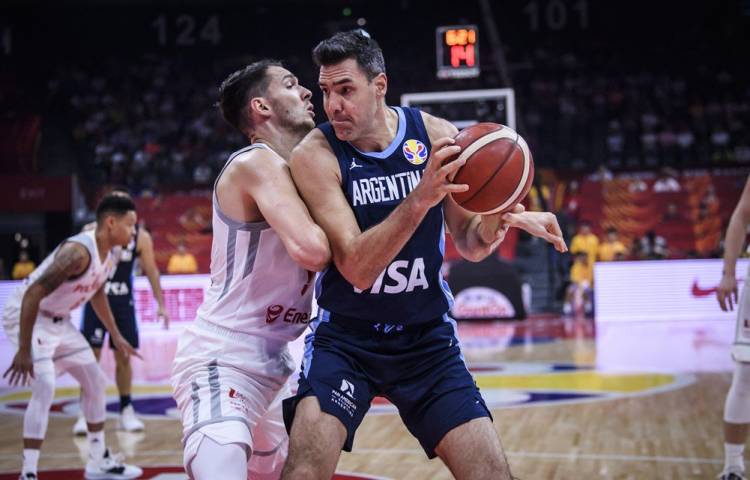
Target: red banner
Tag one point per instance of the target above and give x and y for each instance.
(27, 194)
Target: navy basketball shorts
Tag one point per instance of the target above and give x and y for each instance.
(93, 329)
(420, 369)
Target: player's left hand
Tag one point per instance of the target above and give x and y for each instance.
(726, 290)
(162, 313)
(540, 224)
(124, 347)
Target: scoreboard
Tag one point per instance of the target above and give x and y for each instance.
(457, 51)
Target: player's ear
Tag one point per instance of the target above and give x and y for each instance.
(381, 84)
(259, 106)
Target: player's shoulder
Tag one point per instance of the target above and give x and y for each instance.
(313, 148)
(437, 127)
(251, 162)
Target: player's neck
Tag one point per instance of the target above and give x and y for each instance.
(279, 140)
(382, 132)
(103, 245)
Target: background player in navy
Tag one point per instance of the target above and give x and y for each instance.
(383, 327)
(119, 291)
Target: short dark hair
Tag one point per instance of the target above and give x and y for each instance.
(114, 204)
(356, 44)
(239, 87)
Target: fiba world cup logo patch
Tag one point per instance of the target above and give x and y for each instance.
(415, 152)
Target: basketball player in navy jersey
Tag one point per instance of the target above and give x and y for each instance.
(119, 291)
(383, 326)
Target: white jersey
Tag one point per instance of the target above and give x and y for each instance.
(72, 293)
(256, 287)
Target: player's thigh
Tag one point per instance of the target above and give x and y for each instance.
(270, 440)
(92, 328)
(741, 346)
(332, 372)
(211, 395)
(72, 350)
(473, 451)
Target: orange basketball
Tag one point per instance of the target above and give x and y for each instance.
(499, 168)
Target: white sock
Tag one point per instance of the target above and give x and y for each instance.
(733, 455)
(30, 460)
(96, 444)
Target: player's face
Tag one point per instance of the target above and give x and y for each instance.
(122, 228)
(290, 100)
(350, 100)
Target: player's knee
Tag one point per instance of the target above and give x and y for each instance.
(737, 406)
(299, 469)
(43, 389)
(121, 360)
(741, 379)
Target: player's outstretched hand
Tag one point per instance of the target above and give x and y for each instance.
(540, 224)
(124, 347)
(21, 370)
(164, 315)
(437, 177)
(726, 292)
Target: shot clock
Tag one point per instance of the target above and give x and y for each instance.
(457, 49)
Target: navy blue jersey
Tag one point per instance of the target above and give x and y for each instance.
(119, 287)
(411, 289)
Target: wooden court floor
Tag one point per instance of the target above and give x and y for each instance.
(561, 412)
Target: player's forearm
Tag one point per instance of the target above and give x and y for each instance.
(154, 279)
(374, 249)
(735, 239)
(29, 311)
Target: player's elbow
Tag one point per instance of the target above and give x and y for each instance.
(312, 255)
(352, 270)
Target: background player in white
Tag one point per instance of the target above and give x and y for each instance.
(737, 407)
(36, 319)
(119, 290)
(232, 363)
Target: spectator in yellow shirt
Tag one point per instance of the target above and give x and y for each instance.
(585, 241)
(182, 262)
(23, 267)
(578, 294)
(612, 248)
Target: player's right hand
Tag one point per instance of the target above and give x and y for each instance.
(124, 347)
(437, 177)
(727, 290)
(21, 370)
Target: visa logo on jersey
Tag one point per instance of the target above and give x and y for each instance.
(399, 277)
(415, 152)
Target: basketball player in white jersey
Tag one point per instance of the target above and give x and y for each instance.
(737, 406)
(232, 363)
(36, 319)
(119, 290)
